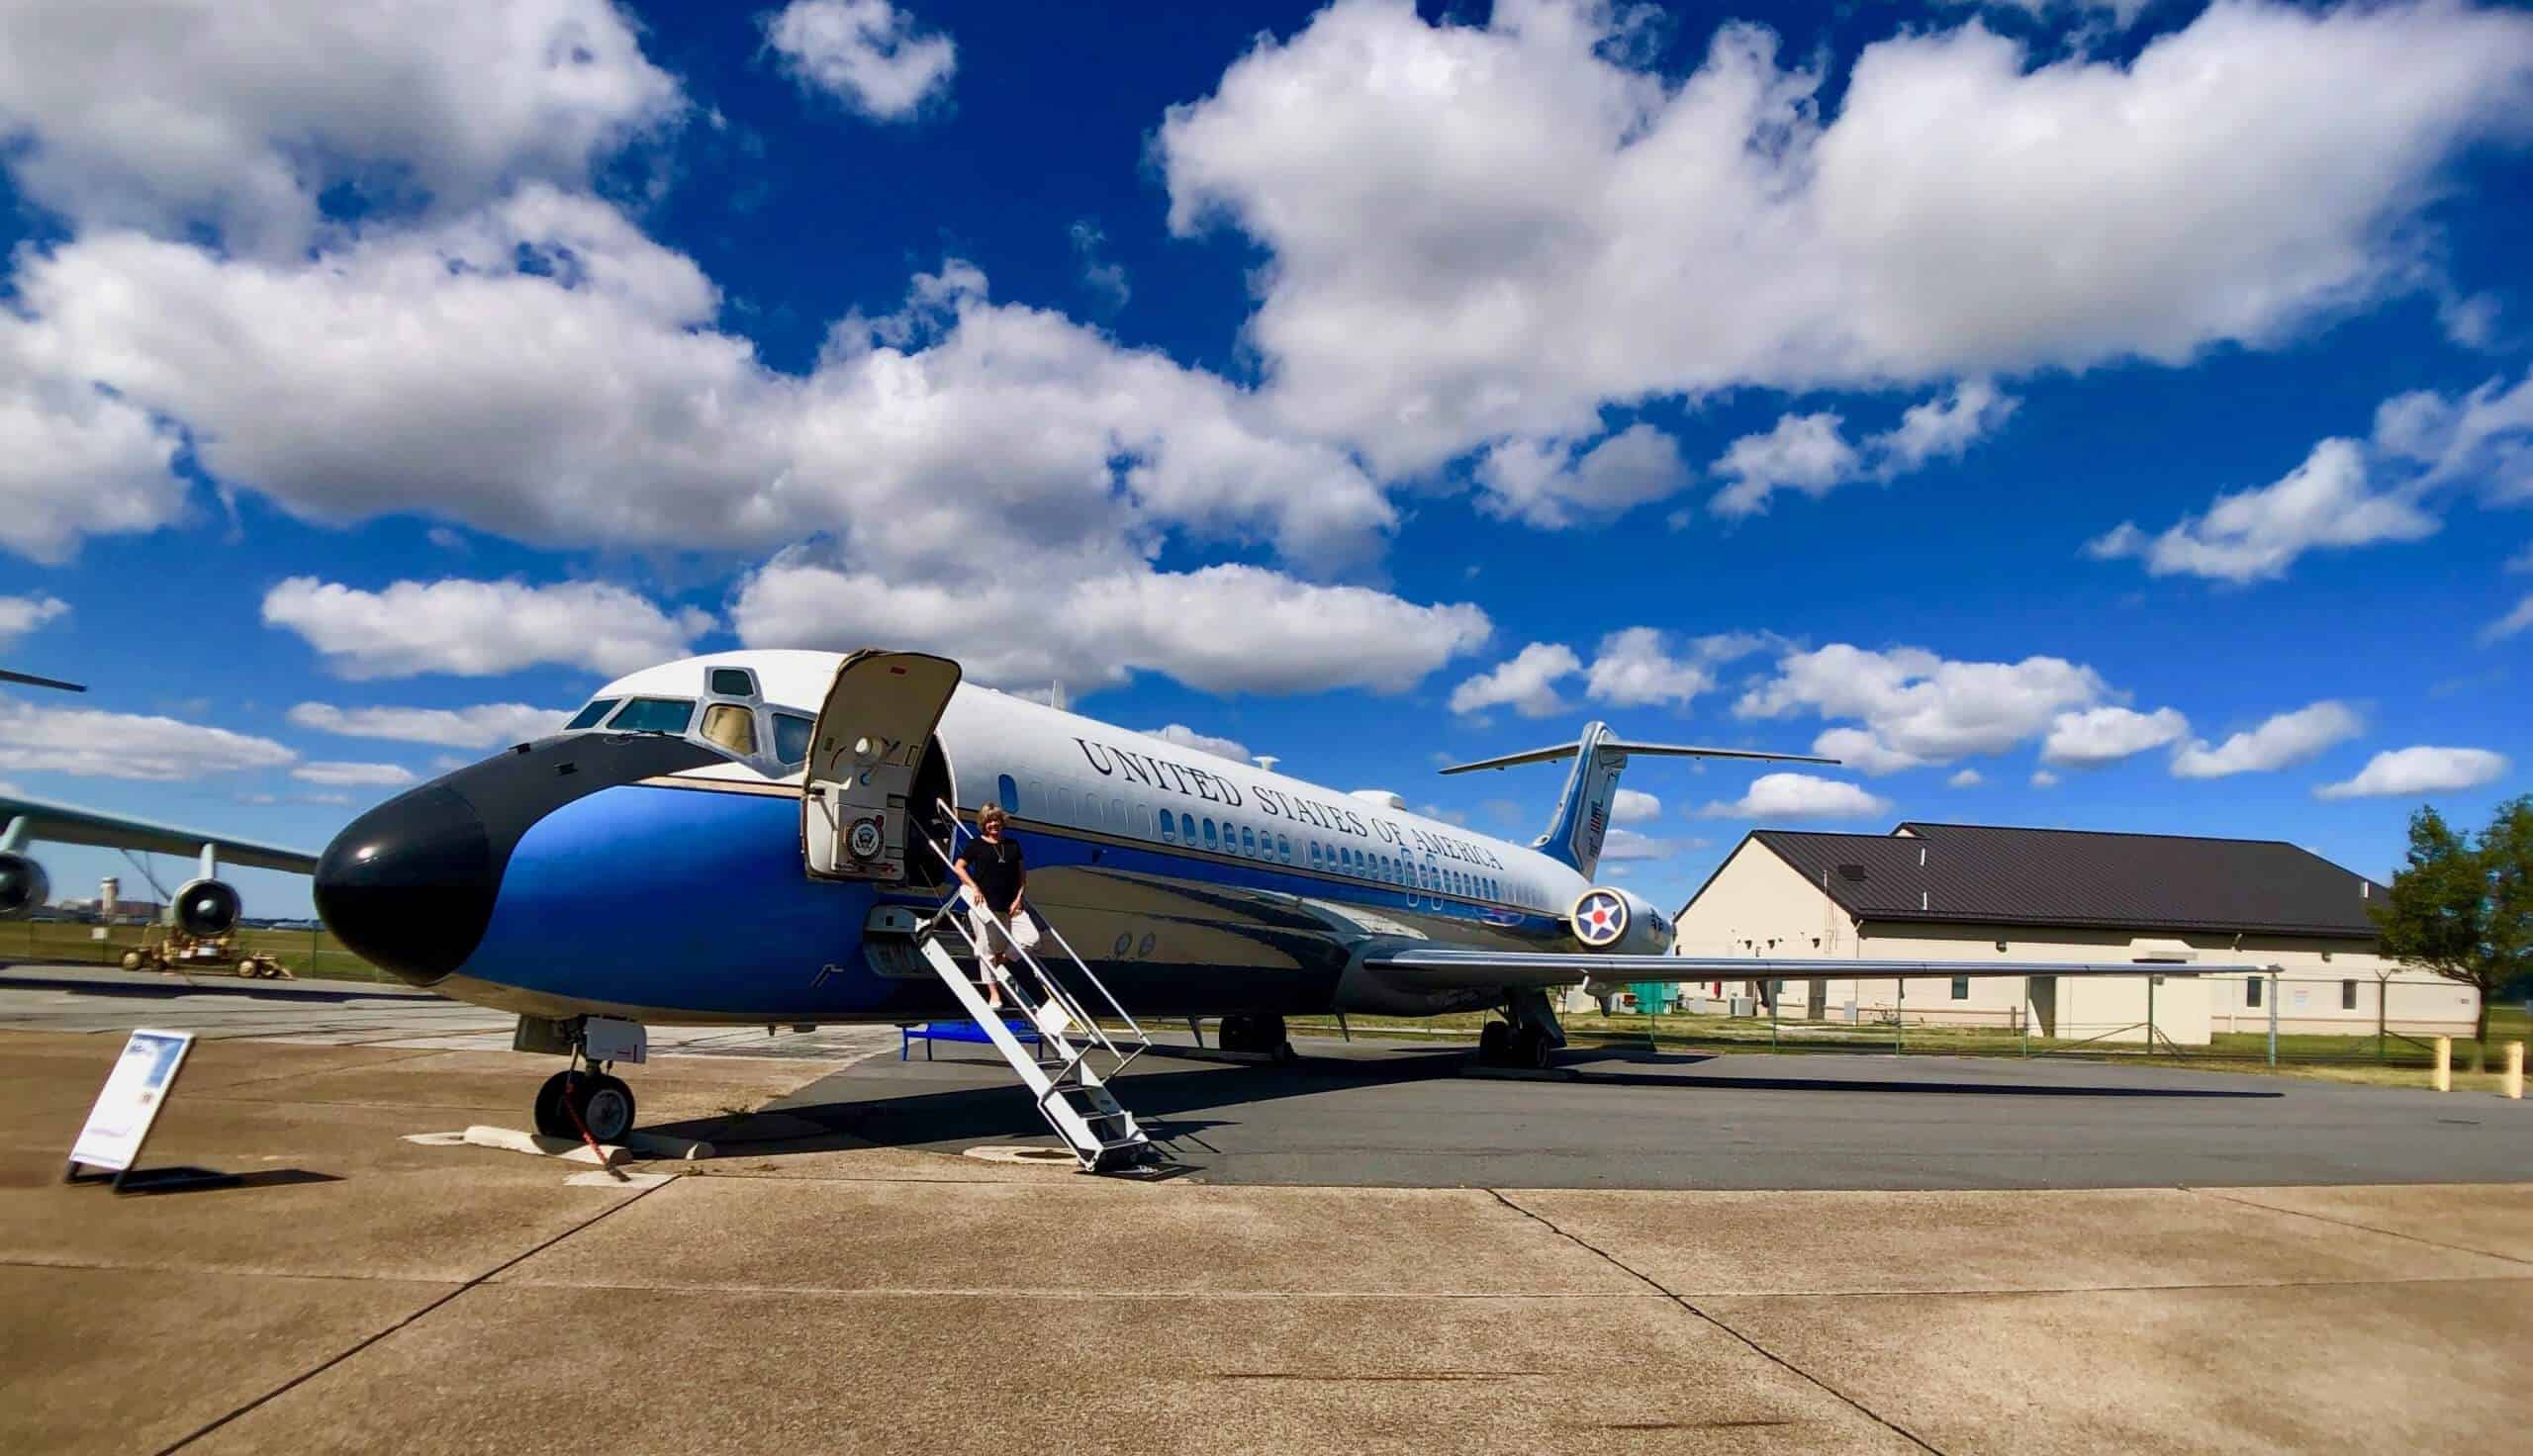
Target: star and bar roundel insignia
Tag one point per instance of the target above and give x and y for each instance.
(1600, 917)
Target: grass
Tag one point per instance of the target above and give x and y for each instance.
(306, 952)
(2397, 1062)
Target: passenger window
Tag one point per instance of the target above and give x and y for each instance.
(1143, 821)
(1314, 853)
(1010, 792)
(654, 715)
(1187, 827)
(589, 717)
(1248, 842)
(1117, 815)
(1284, 849)
(1169, 830)
(733, 727)
(1209, 834)
(792, 734)
(731, 683)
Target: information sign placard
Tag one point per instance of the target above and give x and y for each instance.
(119, 1124)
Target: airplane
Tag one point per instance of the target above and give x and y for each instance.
(206, 908)
(758, 838)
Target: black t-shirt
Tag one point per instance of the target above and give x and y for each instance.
(995, 868)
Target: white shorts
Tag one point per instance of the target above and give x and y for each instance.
(1024, 931)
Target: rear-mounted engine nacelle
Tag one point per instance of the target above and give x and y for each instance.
(1620, 922)
(24, 886)
(207, 908)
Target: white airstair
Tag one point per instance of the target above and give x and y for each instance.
(1073, 1093)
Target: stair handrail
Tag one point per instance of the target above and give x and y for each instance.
(1056, 1083)
(1063, 995)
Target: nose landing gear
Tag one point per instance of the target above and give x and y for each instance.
(585, 1096)
(576, 1098)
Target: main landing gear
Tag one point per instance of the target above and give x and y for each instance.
(1262, 1036)
(584, 1097)
(1529, 1038)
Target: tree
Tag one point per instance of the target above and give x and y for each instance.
(2462, 908)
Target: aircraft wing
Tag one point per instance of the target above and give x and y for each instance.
(66, 824)
(1515, 970)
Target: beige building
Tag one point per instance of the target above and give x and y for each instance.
(1996, 896)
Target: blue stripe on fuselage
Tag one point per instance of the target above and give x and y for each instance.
(695, 900)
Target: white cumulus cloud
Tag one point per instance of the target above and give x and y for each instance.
(1218, 629)
(1489, 231)
(870, 54)
(479, 629)
(1543, 483)
(1918, 708)
(96, 744)
(19, 615)
(1186, 737)
(1525, 683)
(484, 725)
(159, 114)
(1638, 666)
(2420, 770)
(1799, 796)
(2279, 741)
(1804, 452)
(1965, 778)
(2093, 737)
(1633, 807)
(353, 776)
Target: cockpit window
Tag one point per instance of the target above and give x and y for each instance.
(653, 715)
(588, 717)
(732, 682)
(791, 736)
(733, 727)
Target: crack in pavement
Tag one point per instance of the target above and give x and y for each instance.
(305, 1376)
(1762, 1351)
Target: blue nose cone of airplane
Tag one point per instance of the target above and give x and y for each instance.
(410, 885)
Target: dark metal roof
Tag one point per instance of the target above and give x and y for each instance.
(2071, 877)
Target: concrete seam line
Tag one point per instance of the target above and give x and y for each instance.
(1771, 1356)
(303, 1072)
(305, 1376)
(2269, 1208)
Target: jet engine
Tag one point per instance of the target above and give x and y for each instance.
(1620, 923)
(207, 908)
(24, 886)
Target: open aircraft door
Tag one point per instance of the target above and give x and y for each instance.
(875, 766)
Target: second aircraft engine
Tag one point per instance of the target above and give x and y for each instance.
(1620, 923)
(207, 908)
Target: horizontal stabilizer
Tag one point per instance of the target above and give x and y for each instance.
(1650, 750)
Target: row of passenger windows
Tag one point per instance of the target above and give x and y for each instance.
(1247, 841)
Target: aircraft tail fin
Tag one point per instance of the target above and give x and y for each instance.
(1582, 820)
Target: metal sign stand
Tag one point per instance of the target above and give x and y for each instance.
(126, 1108)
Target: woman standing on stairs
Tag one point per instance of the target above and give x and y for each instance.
(991, 866)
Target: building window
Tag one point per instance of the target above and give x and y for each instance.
(2348, 995)
(1961, 988)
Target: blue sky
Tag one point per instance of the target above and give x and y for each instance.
(2108, 415)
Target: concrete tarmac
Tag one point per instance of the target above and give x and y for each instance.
(812, 1289)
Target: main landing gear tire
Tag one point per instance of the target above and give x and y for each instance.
(132, 961)
(1500, 1043)
(1259, 1035)
(605, 1106)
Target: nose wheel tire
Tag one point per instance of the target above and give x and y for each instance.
(605, 1104)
